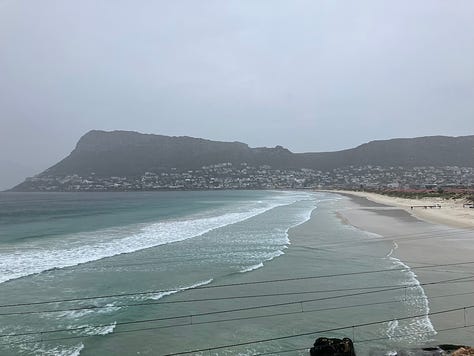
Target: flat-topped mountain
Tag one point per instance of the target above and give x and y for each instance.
(132, 154)
(128, 153)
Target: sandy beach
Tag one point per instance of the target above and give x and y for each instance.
(321, 288)
(426, 237)
(355, 268)
(435, 210)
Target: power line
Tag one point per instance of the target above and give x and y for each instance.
(194, 323)
(203, 314)
(238, 284)
(319, 331)
(261, 340)
(278, 352)
(190, 316)
(413, 236)
(94, 307)
(332, 275)
(345, 243)
(225, 285)
(405, 237)
(281, 351)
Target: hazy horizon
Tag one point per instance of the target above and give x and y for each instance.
(311, 77)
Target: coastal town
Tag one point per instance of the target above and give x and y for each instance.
(244, 176)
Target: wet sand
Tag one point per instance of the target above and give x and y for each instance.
(423, 244)
(322, 246)
(450, 212)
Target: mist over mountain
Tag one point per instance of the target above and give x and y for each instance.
(12, 172)
(131, 154)
(126, 153)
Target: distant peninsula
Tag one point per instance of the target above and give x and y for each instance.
(131, 161)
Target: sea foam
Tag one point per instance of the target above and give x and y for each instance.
(100, 330)
(298, 219)
(157, 296)
(61, 350)
(414, 327)
(251, 268)
(32, 258)
(75, 314)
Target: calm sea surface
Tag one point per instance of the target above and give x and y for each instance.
(167, 272)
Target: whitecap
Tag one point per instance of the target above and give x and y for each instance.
(61, 350)
(417, 326)
(31, 258)
(251, 268)
(392, 326)
(75, 314)
(159, 295)
(99, 330)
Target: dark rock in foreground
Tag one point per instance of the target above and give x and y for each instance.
(324, 346)
(344, 347)
(441, 350)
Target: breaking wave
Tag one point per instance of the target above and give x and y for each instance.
(416, 304)
(32, 258)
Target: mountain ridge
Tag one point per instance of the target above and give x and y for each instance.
(132, 154)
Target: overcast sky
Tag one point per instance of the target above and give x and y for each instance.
(308, 75)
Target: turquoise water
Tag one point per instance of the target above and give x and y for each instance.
(153, 256)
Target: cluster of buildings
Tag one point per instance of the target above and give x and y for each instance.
(244, 176)
(403, 178)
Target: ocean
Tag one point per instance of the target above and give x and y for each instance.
(209, 273)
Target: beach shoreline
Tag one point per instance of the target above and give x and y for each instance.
(450, 212)
(422, 240)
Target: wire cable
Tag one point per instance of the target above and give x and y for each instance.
(374, 288)
(238, 284)
(283, 337)
(92, 307)
(278, 352)
(190, 316)
(319, 331)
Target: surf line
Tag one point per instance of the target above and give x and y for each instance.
(427, 324)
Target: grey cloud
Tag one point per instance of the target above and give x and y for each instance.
(312, 76)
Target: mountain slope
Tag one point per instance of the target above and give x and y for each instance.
(125, 153)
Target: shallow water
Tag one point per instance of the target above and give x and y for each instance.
(155, 257)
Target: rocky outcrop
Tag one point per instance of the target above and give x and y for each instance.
(464, 351)
(324, 346)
